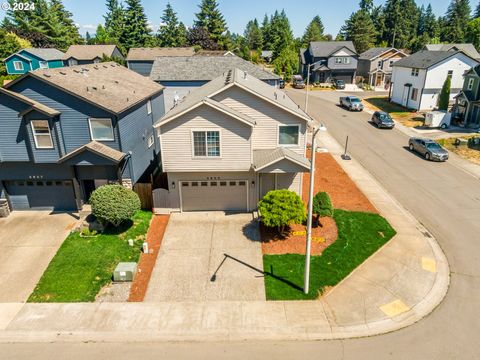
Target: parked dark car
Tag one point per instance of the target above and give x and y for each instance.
(281, 84)
(297, 82)
(339, 84)
(429, 149)
(383, 120)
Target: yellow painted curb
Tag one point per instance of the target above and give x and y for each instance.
(394, 308)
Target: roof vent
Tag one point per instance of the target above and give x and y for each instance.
(228, 77)
(94, 87)
(47, 75)
(275, 93)
(103, 87)
(62, 72)
(116, 81)
(244, 74)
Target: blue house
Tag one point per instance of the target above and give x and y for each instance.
(32, 59)
(67, 131)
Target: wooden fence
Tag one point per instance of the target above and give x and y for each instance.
(144, 192)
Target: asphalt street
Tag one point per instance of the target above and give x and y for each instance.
(443, 197)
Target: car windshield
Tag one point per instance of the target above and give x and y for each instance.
(340, 82)
(385, 117)
(355, 100)
(433, 146)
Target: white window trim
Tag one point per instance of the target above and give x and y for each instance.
(72, 62)
(15, 63)
(35, 135)
(45, 64)
(471, 81)
(91, 132)
(149, 107)
(151, 140)
(278, 135)
(219, 130)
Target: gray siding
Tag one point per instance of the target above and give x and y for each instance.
(267, 116)
(14, 140)
(363, 68)
(177, 149)
(42, 155)
(141, 67)
(20, 171)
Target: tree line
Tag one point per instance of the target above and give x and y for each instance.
(398, 23)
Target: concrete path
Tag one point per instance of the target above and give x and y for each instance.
(396, 287)
(28, 241)
(195, 245)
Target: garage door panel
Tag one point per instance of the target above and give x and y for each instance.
(229, 195)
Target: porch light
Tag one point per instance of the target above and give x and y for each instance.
(173, 184)
(253, 183)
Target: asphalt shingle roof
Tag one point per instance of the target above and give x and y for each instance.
(424, 59)
(107, 85)
(265, 157)
(46, 53)
(149, 54)
(468, 49)
(34, 105)
(203, 68)
(88, 52)
(97, 148)
(327, 48)
(374, 52)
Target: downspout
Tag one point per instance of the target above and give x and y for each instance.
(121, 170)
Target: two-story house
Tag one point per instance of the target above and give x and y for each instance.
(67, 131)
(417, 80)
(467, 106)
(141, 60)
(32, 59)
(231, 141)
(90, 54)
(182, 74)
(328, 60)
(375, 65)
(467, 48)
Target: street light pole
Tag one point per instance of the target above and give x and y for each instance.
(306, 284)
(308, 81)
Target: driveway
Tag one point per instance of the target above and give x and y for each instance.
(194, 246)
(28, 241)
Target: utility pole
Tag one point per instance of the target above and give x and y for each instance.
(308, 81)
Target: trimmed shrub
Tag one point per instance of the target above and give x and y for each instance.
(444, 98)
(322, 206)
(114, 204)
(280, 208)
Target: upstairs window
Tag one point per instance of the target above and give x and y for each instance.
(379, 64)
(150, 141)
(415, 72)
(206, 143)
(18, 65)
(342, 60)
(470, 83)
(149, 107)
(72, 62)
(450, 73)
(288, 135)
(41, 134)
(101, 129)
(43, 64)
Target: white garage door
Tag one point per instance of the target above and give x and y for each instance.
(225, 195)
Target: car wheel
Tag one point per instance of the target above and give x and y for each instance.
(444, 126)
(410, 147)
(427, 156)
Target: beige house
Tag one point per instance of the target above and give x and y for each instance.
(230, 142)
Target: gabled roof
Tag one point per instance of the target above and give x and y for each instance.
(203, 68)
(424, 59)
(266, 157)
(468, 49)
(34, 105)
(467, 94)
(233, 77)
(106, 85)
(89, 52)
(46, 54)
(19, 55)
(98, 149)
(374, 53)
(149, 54)
(475, 70)
(327, 48)
(203, 52)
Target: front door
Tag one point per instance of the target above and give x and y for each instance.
(88, 188)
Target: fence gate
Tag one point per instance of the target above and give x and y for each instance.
(160, 199)
(144, 192)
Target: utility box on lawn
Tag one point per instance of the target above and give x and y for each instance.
(125, 271)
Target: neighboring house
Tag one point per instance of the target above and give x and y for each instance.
(417, 80)
(328, 60)
(231, 141)
(90, 54)
(375, 65)
(203, 52)
(266, 55)
(467, 107)
(468, 49)
(141, 60)
(32, 59)
(67, 131)
(183, 74)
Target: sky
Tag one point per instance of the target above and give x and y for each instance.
(89, 13)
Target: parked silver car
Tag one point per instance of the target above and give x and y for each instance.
(428, 148)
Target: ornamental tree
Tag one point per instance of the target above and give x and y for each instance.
(322, 206)
(444, 98)
(114, 204)
(280, 208)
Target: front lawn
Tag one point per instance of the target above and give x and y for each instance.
(82, 266)
(470, 153)
(399, 113)
(360, 234)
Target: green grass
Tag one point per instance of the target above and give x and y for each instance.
(359, 236)
(407, 117)
(82, 266)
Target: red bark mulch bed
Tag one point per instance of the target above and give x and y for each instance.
(329, 177)
(147, 261)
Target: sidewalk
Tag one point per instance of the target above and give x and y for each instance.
(397, 286)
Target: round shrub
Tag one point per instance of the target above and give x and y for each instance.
(322, 206)
(280, 208)
(114, 204)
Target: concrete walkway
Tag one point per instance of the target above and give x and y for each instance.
(396, 287)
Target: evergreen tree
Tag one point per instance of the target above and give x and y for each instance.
(66, 32)
(280, 33)
(171, 33)
(266, 34)
(253, 35)
(114, 20)
(102, 36)
(367, 6)
(472, 33)
(378, 19)
(360, 30)
(477, 11)
(136, 31)
(88, 38)
(313, 32)
(444, 98)
(401, 20)
(199, 38)
(211, 19)
(457, 18)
